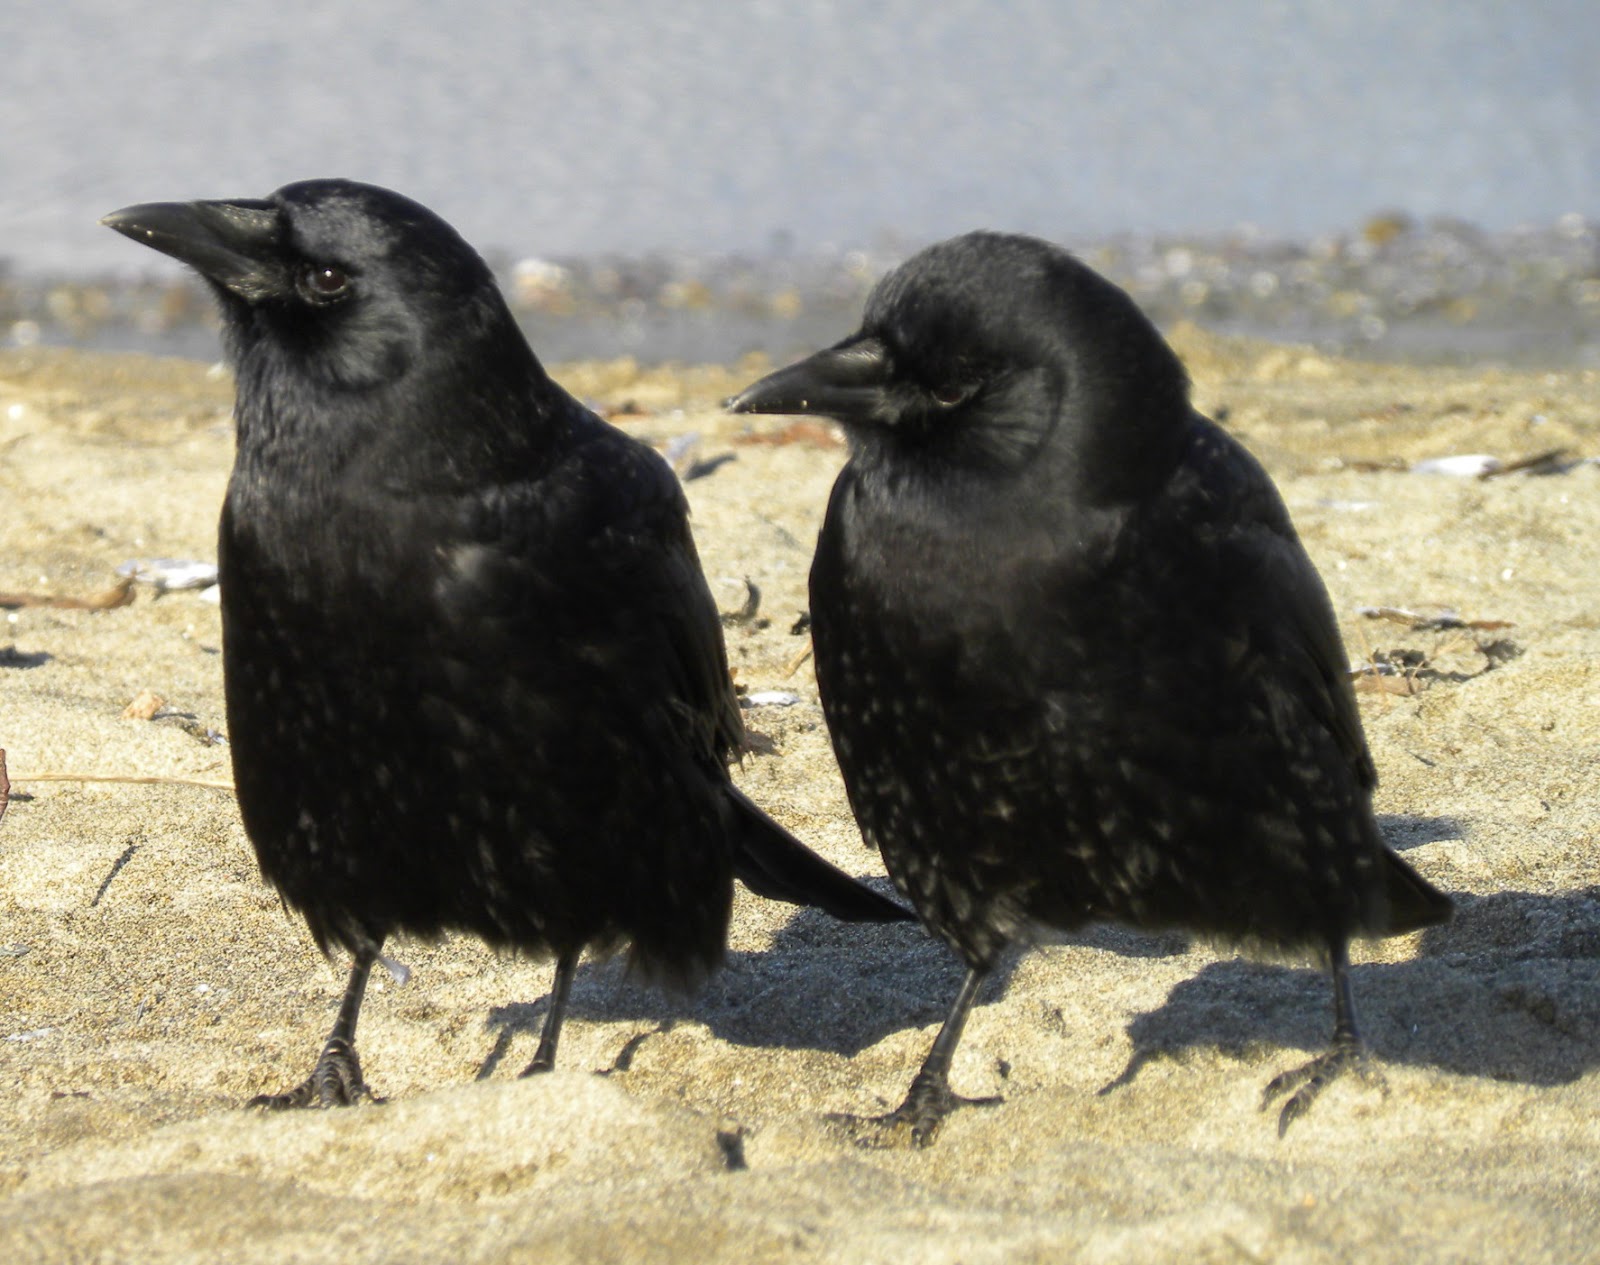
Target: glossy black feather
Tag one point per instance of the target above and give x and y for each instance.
(475, 679)
(1075, 662)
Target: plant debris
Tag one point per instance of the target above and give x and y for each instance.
(794, 665)
(120, 594)
(197, 729)
(1443, 620)
(135, 779)
(1552, 461)
(1390, 672)
(1408, 670)
(746, 614)
(1368, 465)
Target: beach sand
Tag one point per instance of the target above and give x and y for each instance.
(150, 982)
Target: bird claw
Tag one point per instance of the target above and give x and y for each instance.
(335, 1081)
(915, 1122)
(1308, 1081)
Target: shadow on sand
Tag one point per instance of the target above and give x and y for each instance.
(1509, 989)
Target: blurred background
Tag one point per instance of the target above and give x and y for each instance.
(695, 180)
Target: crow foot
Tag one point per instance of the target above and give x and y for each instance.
(1304, 1084)
(334, 1082)
(915, 1122)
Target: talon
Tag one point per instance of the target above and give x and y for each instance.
(335, 1081)
(1308, 1082)
(917, 1120)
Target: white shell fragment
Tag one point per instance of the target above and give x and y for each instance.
(171, 573)
(1472, 465)
(771, 698)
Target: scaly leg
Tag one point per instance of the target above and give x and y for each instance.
(1346, 1054)
(544, 1058)
(336, 1079)
(930, 1099)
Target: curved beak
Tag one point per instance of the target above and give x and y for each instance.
(849, 382)
(234, 244)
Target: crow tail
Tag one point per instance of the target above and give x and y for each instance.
(771, 862)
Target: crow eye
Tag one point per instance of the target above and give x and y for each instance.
(323, 283)
(952, 393)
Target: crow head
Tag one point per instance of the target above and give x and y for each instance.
(993, 352)
(352, 282)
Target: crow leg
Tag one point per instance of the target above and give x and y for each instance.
(336, 1079)
(1346, 1054)
(544, 1058)
(930, 1099)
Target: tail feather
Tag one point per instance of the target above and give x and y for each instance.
(772, 863)
(1413, 901)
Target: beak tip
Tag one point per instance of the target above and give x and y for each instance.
(849, 382)
(230, 243)
(136, 222)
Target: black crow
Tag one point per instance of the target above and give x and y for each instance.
(475, 680)
(1075, 662)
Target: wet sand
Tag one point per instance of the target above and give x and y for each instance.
(150, 983)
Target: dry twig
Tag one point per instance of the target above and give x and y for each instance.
(119, 594)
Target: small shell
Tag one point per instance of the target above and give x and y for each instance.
(1471, 465)
(771, 698)
(171, 573)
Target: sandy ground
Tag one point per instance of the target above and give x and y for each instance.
(150, 983)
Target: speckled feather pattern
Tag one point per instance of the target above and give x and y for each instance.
(408, 750)
(1074, 659)
(1147, 715)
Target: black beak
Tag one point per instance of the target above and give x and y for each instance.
(234, 244)
(849, 382)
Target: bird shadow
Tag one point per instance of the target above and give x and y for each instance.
(821, 985)
(1507, 990)
(1404, 831)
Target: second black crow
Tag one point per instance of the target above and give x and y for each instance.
(475, 679)
(1075, 662)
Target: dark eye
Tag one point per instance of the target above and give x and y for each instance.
(953, 393)
(323, 283)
